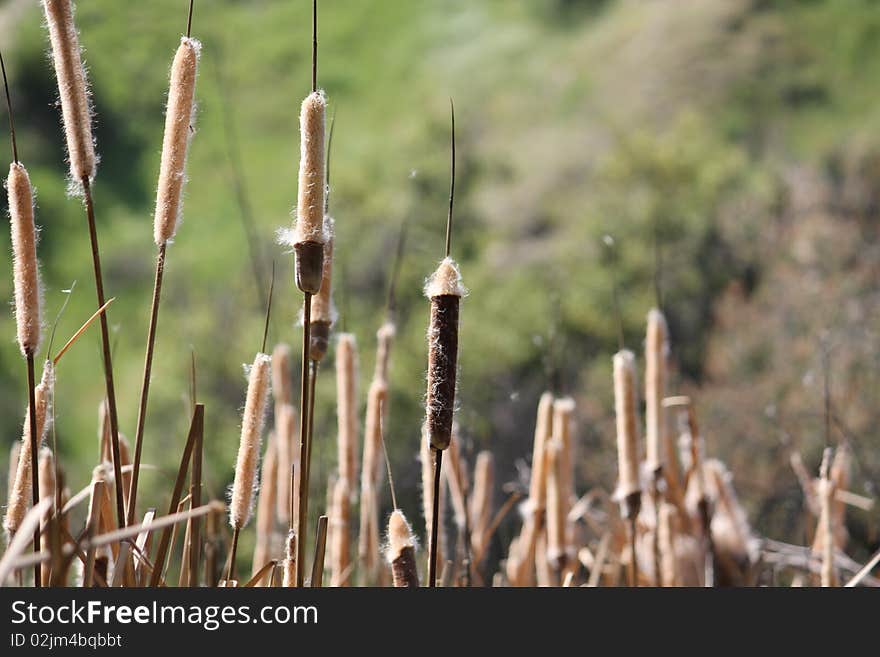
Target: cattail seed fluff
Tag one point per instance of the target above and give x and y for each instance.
(73, 88)
(401, 553)
(445, 290)
(656, 349)
(249, 448)
(179, 117)
(627, 423)
(25, 271)
(310, 203)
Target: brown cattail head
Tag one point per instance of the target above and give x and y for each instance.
(323, 314)
(179, 118)
(310, 204)
(73, 88)
(21, 493)
(249, 448)
(384, 339)
(25, 270)
(543, 431)
(445, 290)
(346, 405)
(340, 518)
(627, 424)
(401, 551)
(656, 350)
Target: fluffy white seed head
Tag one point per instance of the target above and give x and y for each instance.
(179, 118)
(310, 203)
(25, 270)
(249, 448)
(445, 281)
(73, 88)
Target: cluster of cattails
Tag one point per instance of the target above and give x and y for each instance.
(673, 518)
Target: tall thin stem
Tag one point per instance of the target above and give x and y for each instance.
(105, 345)
(145, 383)
(303, 443)
(35, 455)
(435, 520)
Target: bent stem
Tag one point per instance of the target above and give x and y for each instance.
(105, 345)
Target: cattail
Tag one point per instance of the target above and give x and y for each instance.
(287, 450)
(445, 290)
(249, 448)
(73, 88)
(656, 350)
(667, 539)
(839, 475)
(346, 406)
(339, 525)
(481, 500)
(323, 312)
(103, 473)
(179, 117)
(543, 431)
(20, 494)
(281, 388)
(310, 204)
(266, 505)
(290, 560)
(401, 552)
(384, 339)
(627, 424)
(26, 275)
(556, 507)
(47, 491)
(428, 494)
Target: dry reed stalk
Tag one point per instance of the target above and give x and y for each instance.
(346, 406)
(401, 552)
(428, 505)
(290, 560)
(840, 476)
(538, 480)
(656, 350)
(14, 451)
(73, 89)
(543, 575)
(455, 474)
(256, 400)
(667, 538)
(481, 502)
(340, 533)
(93, 527)
(286, 446)
(825, 528)
(317, 578)
(368, 536)
(266, 506)
(556, 511)
(629, 487)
